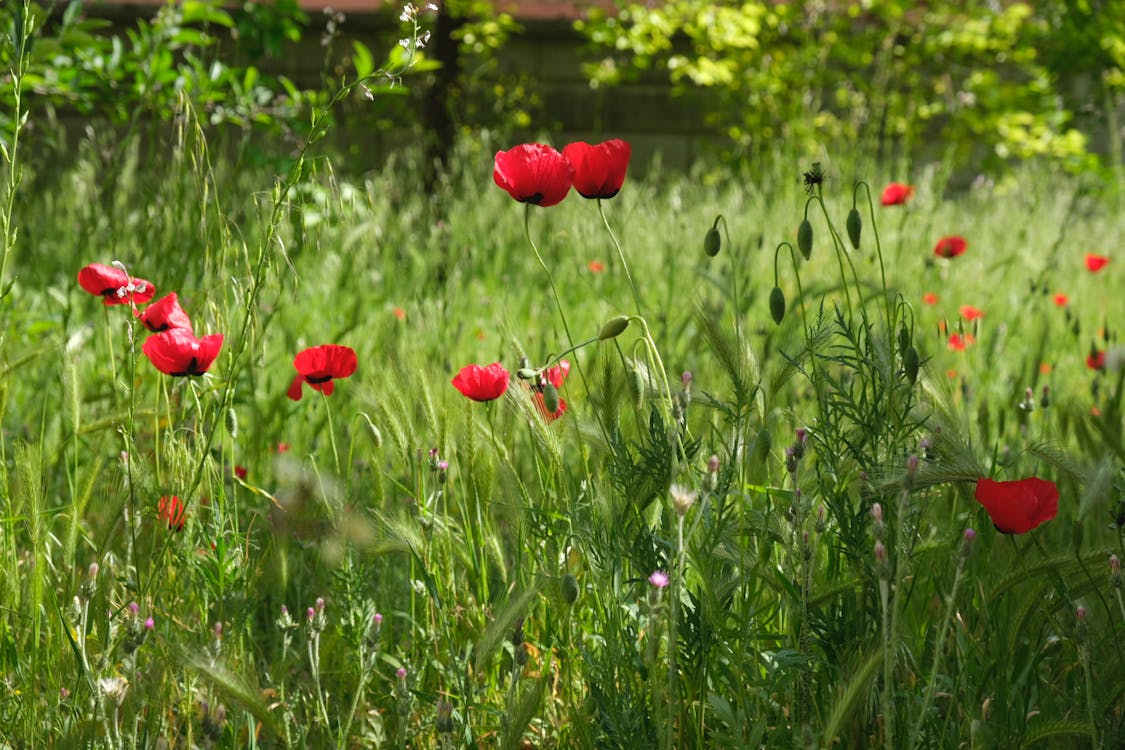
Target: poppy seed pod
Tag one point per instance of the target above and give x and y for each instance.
(804, 239)
(613, 327)
(551, 398)
(712, 242)
(777, 305)
(855, 226)
(910, 364)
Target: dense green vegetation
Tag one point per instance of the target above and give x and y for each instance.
(749, 527)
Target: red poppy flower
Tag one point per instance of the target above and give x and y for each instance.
(115, 286)
(482, 383)
(599, 171)
(318, 365)
(959, 342)
(164, 314)
(1095, 360)
(172, 512)
(968, 312)
(596, 266)
(240, 472)
(896, 194)
(533, 173)
(1018, 507)
(950, 247)
(1095, 262)
(929, 298)
(541, 405)
(1062, 300)
(556, 375)
(178, 352)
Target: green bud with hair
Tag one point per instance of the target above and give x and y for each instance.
(637, 386)
(232, 422)
(712, 242)
(804, 238)
(910, 364)
(855, 226)
(551, 398)
(777, 305)
(613, 327)
(527, 373)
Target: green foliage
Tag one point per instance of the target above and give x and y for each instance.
(888, 78)
(393, 564)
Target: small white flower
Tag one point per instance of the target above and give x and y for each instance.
(408, 13)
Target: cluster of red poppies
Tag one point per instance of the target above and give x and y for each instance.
(491, 382)
(537, 173)
(172, 348)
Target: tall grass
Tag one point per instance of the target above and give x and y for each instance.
(396, 565)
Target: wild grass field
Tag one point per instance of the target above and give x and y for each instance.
(759, 521)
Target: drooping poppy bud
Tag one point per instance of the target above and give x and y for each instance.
(551, 398)
(712, 242)
(569, 588)
(613, 327)
(804, 238)
(910, 364)
(903, 338)
(855, 226)
(777, 305)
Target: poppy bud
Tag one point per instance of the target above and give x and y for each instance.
(804, 238)
(910, 364)
(527, 373)
(903, 339)
(855, 226)
(232, 422)
(637, 386)
(712, 242)
(613, 327)
(777, 305)
(569, 588)
(551, 398)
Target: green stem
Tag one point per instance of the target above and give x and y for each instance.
(23, 28)
(621, 255)
(939, 644)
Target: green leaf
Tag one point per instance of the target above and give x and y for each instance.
(362, 59)
(1058, 728)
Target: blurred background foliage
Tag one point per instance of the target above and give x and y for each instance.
(981, 83)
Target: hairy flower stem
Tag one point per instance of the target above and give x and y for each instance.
(621, 255)
(886, 698)
(676, 583)
(331, 432)
(878, 251)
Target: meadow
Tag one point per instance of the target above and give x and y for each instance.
(757, 521)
